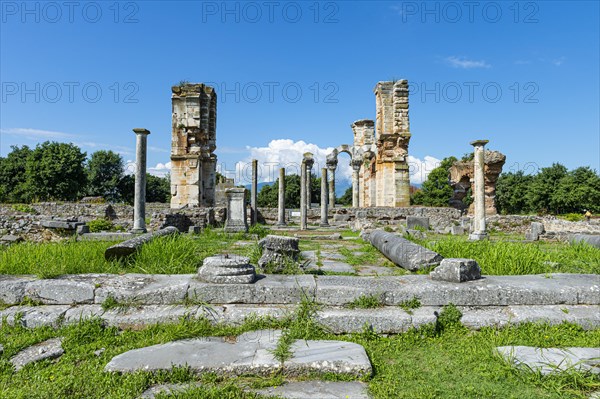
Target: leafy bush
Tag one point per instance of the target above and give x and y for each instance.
(572, 217)
(99, 225)
(24, 209)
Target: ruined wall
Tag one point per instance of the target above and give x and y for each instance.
(193, 162)
(390, 170)
(461, 180)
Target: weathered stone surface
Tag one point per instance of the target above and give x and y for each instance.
(11, 239)
(318, 390)
(457, 230)
(105, 236)
(593, 240)
(236, 211)
(402, 252)
(34, 316)
(531, 236)
(271, 289)
(130, 247)
(335, 267)
(154, 289)
(587, 316)
(50, 349)
(387, 320)
(277, 250)
(337, 357)
(167, 389)
(85, 229)
(415, 222)
(195, 229)
(552, 360)
(60, 291)
(12, 288)
(537, 228)
(456, 270)
(227, 269)
(250, 354)
(237, 314)
(138, 316)
(58, 224)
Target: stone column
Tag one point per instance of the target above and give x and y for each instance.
(479, 228)
(139, 202)
(324, 198)
(254, 193)
(331, 166)
(402, 185)
(355, 182)
(281, 202)
(236, 210)
(309, 164)
(303, 210)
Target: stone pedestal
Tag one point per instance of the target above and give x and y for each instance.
(281, 199)
(254, 193)
(277, 250)
(139, 202)
(479, 227)
(324, 198)
(236, 211)
(227, 269)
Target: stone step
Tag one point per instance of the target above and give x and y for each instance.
(338, 320)
(550, 289)
(251, 353)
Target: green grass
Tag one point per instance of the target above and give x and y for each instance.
(179, 254)
(517, 258)
(369, 255)
(410, 305)
(366, 302)
(437, 361)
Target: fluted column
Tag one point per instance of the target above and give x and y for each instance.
(479, 227)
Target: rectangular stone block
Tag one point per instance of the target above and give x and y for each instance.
(60, 291)
(12, 288)
(151, 289)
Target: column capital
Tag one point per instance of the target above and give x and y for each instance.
(139, 130)
(478, 143)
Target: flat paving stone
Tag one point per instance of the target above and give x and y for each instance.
(370, 270)
(166, 389)
(336, 267)
(318, 390)
(34, 316)
(155, 289)
(50, 349)
(552, 360)
(250, 353)
(389, 320)
(332, 255)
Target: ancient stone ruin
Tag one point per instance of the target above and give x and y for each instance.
(462, 177)
(379, 161)
(193, 161)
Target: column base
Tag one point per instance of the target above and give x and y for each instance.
(281, 224)
(478, 236)
(324, 225)
(138, 230)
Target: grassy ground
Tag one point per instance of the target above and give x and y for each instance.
(503, 257)
(437, 361)
(179, 254)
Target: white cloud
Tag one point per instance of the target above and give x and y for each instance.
(288, 153)
(160, 170)
(558, 61)
(36, 134)
(465, 63)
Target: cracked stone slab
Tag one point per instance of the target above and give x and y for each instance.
(60, 291)
(12, 288)
(50, 349)
(337, 357)
(249, 353)
(485, 316)
(332, 255)
(35, 316)
(318, 389)
(237, 314)
(166, 389)
(587, 316)
(552, 360)
(388, 320)
(139, 316)
(154, 289)
(269, 289)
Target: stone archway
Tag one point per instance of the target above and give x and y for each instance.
(355, 162)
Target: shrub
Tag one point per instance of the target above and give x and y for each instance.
(99, 225)
(24, 209)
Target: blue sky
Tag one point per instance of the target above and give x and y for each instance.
(293, 76)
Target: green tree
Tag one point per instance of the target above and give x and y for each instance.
(579, 190)
(105, 171)
(13, 186)
(55, 171)
(511, 193)
(158, 189)
(541, 189)
(269, 194)
(436, 190)
(346, 198)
